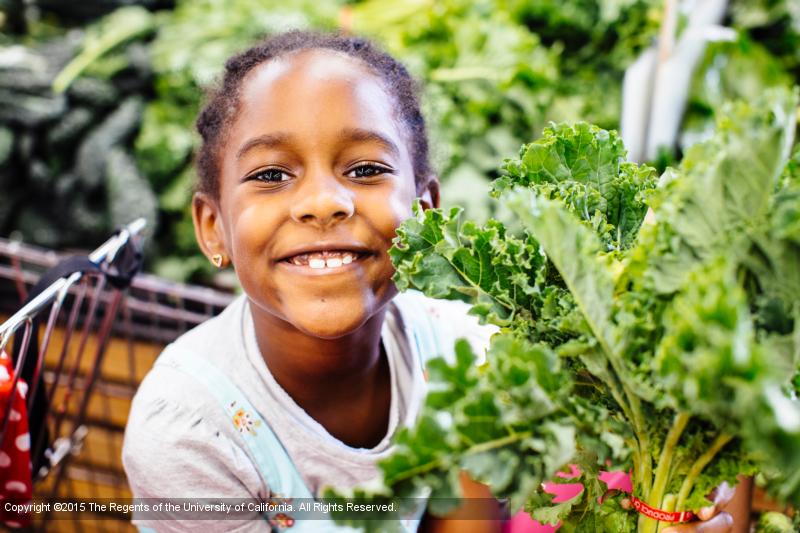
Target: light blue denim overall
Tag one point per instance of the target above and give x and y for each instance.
(273, 462)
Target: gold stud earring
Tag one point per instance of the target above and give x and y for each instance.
(216, 259)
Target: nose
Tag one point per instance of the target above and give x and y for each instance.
(322, 201)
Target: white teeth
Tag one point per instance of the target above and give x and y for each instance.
(324, 260)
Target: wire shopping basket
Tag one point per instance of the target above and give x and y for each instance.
(74, 284)
(97, 339)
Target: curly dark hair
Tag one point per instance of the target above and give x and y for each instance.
(223, 103)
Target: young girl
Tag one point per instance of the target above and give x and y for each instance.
(314, 149)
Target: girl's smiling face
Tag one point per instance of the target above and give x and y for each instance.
(315, 176)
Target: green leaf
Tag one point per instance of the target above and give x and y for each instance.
(119, 27)
(724, 188)
(669, 348)
(573, 249)
(444, 257)
(554, 513)
(582, 166)
(773, 522)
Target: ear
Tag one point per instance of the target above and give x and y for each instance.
(429, 195)
(208, 228)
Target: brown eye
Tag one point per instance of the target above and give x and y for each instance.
(270, 175)
(367, 171)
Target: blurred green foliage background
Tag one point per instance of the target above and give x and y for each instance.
(98, 98)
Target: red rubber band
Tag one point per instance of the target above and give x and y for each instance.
(658, 514)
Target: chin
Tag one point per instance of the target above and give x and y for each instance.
(322, 329)
(327, 319)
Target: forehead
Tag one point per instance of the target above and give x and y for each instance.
(314, 88)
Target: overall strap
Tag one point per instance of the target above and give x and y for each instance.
(275, 465)
(426, 341)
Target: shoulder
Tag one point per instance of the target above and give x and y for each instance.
(178, 440)
(443, 322)
(169, 394)
(179, 443)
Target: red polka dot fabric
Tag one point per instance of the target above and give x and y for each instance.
(15, 451)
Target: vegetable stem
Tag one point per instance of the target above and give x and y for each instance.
(137, 23)
(497, 443)
(665, 460)
(667, 504)
(644, 441)
(478, 448)
(698, 466)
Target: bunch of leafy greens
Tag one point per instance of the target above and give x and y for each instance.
(495, 72)
(68, 115)
(765, 53)
(776, 24)
(663, 344)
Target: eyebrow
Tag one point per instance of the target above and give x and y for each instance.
(272, 140)
(363, 135)
(269, 140)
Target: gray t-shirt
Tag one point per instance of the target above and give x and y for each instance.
(180, 443)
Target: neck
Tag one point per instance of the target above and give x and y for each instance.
(342, 383)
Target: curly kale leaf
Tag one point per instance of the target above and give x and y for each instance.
(583, 166)
(499, 422)
(444, 256)
(674, 344)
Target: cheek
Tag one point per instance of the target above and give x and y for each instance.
(400, 205)
(392, 208)
(253, 229)
(397, 203)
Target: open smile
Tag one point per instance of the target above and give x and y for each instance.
(325, 260)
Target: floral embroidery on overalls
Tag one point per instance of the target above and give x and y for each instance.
(281, 520)
(243, 421)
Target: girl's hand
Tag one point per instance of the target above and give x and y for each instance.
(713, 519)
(463, 520)
(730, 512)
